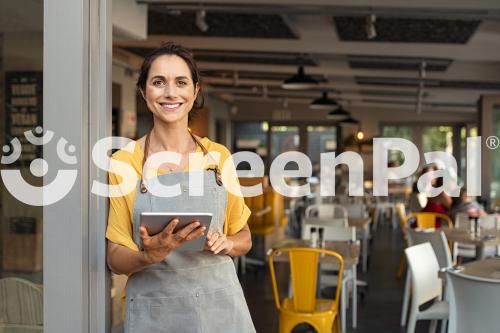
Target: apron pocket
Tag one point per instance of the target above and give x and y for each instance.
(163, 315)
(225, 310)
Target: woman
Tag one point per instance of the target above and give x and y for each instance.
(440, 203)
(466, 204)
(170, 291)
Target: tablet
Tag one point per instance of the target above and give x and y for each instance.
(155, 222)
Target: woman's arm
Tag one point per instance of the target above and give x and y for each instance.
(235, 245)
(123, 260)
(445, 200)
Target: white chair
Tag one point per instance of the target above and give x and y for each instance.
(21, 306)
(474, 304)
(426, 286)
(336, 215)
(439, 244)
(326, 211)
(337, 233)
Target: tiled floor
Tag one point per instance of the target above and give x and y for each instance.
(379, 311)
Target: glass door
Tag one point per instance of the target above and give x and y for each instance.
(21, 224)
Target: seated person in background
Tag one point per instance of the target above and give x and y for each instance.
(425, 169)
(466, 204)
(438, 204)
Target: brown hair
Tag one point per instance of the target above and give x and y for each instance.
(171, 48)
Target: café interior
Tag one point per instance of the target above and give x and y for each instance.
(317, 77)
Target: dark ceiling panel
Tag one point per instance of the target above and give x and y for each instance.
(406, 30)
(161, 22)
(255, 58)
(389, 81)
(398, 63)
(242, 57)
(432, 104)
(256, 75)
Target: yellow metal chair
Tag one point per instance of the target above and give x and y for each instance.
(304, 307)
(426, 220)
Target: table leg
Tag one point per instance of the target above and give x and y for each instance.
(479, 252)
(354, 298)
(366, 235)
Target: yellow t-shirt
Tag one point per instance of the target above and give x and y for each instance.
(121, 208)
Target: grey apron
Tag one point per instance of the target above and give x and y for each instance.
(189, 291)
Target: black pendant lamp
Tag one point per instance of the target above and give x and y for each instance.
(349, 121)
(299, 81)
(339, 113)
(323, 103)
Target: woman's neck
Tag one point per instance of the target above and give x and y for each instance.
(171, 137)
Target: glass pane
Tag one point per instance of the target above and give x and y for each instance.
(321, 139)
(438, 138)
(21, 95)
(251, 137)
(283, 139)
(495, 160)
(403, 132)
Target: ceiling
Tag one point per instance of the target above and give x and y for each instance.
(250, 47)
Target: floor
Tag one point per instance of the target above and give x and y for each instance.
(378, 311)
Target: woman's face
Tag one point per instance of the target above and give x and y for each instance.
(170, 91)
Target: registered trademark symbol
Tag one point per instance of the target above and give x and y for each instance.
(492, 142)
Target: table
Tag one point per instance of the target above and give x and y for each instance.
(359, 223)
(486, 268)
(465, 236)
(350, 254)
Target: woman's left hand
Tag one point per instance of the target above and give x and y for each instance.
(218, 243)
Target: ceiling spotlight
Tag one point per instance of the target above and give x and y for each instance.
(323, 103)
(360, 135)
(200, 20)
(299, 81)
(340, 113)
(371, 32)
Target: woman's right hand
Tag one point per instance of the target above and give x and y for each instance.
(157, 247)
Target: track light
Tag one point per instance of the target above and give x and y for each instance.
(200, 20)
(371, 32)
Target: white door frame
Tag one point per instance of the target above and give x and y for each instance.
(77, 106)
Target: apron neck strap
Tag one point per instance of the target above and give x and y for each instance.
(146, 152)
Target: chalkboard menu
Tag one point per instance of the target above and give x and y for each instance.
(23, 101)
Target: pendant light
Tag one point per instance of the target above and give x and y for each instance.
(339, 113)
(349, 121)
(299, 81)
(323, 103)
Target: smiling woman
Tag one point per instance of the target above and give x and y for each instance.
(173, 291)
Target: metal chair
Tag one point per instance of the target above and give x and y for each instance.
(303, 306)
(426, 220)
(337, 233)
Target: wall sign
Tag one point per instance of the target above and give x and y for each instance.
(23, 106)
